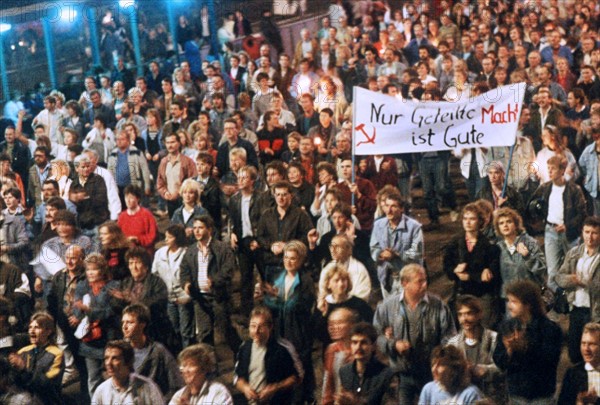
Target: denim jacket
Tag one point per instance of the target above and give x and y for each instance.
(407, 241)
(588, 162)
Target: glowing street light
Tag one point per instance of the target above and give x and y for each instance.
(69, 15)
(126, 3)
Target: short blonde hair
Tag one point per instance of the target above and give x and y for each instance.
(193, 185)
(410, 270)
(298, 247)
(62, 166)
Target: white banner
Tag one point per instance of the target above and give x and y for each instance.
(384, 124)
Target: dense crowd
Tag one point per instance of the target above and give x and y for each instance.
(246, 164)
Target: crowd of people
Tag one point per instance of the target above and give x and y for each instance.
(128, 212)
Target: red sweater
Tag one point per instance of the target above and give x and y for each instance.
(142, 225)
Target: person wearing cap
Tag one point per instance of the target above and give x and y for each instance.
(492, 189)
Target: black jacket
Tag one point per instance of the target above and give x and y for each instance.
(484, 255)
(56, 302)
(212, 201)
(574, 382)
(220, 269)
(281, 362)
(257, 207)
(21, 160)
(532, 374)
(375, 382)
(93, 210)
(574, 206)
(106, 111)
(295, 225)
(303, 125)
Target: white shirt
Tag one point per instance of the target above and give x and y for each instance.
(584, 268)
(112, 191)
(211, 393)
(141, 390)
(246, 224)
(593, 378)
(51, 120)
(556, 211)
(257, 375)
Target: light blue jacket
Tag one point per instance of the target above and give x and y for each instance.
(406, 240)
(588, 162)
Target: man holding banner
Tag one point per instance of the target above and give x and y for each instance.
(434, 128)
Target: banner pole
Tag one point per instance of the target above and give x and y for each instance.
(521, 95)
(510, 157)
(353, 140)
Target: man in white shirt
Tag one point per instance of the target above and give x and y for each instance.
(576, 276)
(51, 118)
(581, 383)
(561, 204)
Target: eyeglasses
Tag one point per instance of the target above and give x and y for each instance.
(333, 246)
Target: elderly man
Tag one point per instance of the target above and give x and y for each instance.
(112, 192)
(88, 192)
(410, 325)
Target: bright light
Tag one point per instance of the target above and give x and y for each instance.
(68, 15)
(126, 3)
(5, 27)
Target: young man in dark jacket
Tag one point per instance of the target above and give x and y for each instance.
(206, 271)
(563, 208)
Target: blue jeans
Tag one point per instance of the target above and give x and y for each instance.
(556, 247)
(182, 319)
(434, 172)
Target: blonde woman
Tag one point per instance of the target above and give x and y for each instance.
(190, 192)
(60, 171)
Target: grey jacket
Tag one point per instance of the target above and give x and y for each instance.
(436, 327)
(17, 242)
(568, 268)
(486, 351)
(515, 267)
(138, 167)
